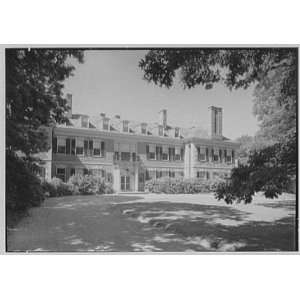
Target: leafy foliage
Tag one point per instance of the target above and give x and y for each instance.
(89, 184)
(273, 151)
(267, 170)
(23, 188)
(34, 83)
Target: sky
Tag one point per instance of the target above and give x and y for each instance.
(110, 81)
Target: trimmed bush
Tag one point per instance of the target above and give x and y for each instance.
(180, 185)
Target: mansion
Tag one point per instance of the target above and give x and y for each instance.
(128, 153)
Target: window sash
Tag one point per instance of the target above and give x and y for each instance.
(152, 148)
(61, 141)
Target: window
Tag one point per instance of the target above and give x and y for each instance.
(228, 156)
(116, 155)
(72, 171)
(228, 159)
(177, 153)
(165, 153)
(160, 130)
(84, 121)
(90, 152)
(73, 146)
(97, 148)
(216, 175)
(125, 156)
(216, 157)
(86, 147)
(144, 128)
(158, 174)
(201, 154)
(171, 154)
(79, 147)
(68, 146)
(176, 132)
(105, 124)
(61, 173)
(133, 156)
(125, 126)
(150, 174)
(165, 156)
(151, 155)
(61, 145)
(172, 174)
(151, 151)
(201, 174)
(158, 152)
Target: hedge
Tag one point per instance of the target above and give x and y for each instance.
(180, 185)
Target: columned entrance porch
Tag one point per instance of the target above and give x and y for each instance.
(127, 179)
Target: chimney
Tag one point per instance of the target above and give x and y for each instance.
(216, 119)
(69, 103)
(163, 118)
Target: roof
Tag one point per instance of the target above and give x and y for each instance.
(116, 125)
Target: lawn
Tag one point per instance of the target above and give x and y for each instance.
(148, 222)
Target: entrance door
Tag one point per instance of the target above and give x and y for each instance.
(141, 182)
(125, 183)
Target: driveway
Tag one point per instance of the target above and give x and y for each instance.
(150, 222)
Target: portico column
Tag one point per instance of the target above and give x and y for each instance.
(116, 179)
(136, 179)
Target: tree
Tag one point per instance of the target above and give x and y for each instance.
(34, 98)
(249, 144)
(273, 71)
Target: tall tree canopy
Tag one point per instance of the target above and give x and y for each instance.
(34, 98)
(34, 83)
(273, 71)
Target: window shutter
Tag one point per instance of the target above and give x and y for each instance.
(68, 146)
(54, 144)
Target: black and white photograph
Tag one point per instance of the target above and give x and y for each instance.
(151, 149)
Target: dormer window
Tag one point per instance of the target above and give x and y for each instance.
(160, 130)
(144, 128)
(105, 123)
(84, 121)
(176, 132)
(125, 126)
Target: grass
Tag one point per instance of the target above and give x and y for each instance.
(155, 223)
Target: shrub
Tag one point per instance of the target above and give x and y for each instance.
(56, 188)
(89, 184)
(180, 185)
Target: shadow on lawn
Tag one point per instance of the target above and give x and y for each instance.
(110, 223)
(287, 204)
(214, 228)
(74, 223)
